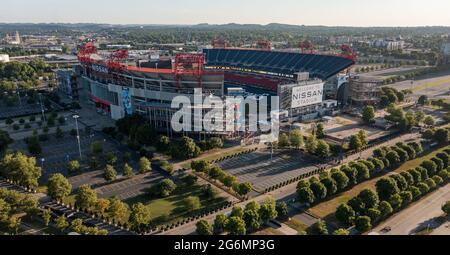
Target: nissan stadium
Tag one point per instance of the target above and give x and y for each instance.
(118, 88)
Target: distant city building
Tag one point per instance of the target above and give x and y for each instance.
(388, 44)
(13, 40)
(446, 52)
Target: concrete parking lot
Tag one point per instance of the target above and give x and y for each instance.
(264, 171)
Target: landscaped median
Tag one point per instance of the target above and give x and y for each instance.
(409, 182)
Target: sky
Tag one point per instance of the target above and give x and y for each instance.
(296, 12)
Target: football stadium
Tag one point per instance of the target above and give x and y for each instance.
(119, 88)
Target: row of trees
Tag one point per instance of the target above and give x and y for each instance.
(440, 136)
(394, 193)
(218, 174)
(21, 169)
(313, 145)
(338, 180)
(244, 220)
(390, 96)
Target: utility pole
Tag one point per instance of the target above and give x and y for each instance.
(78, 134)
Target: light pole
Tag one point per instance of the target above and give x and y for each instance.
(78, 134)
(42, 107)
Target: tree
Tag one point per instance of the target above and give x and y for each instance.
(46, 216)
(86, 197)
(423, 100)
(446, 208)
(244, 188)
(251, 219)
(282, 210)
(253, 205)
(237, 211)
(345, 214)
(355, 143)
(368, 115)
(186, 149)
(140, 216)
(393, 158)
(311, 144)
(420, 116)
(379, 164)
(268, 210)
(374, 214)
(319, 190)
(111, 158)
(402, 184)
(128, 170)
(385, 209)
(96, 148)
(145, 165)
(61, 223)
(220, 223)
(59, 133)
(369, 198)
(166, 187)
(362, 135)
(445, 158)
(101, 206)
(5, 141)
(396, 201)
(318, 228)
(341, 232)
(351, 173)
(163, 144)
(363, 172)
(305, 195)
(216, 172)
(204, 228)
(386, 187)
(73, 166)
(110, 173)
(320, 131)
(407, 198)
(323, 149)
(236, 226)
(296, 138)
(118, 211)
(340, 178)
(59, 187)
(441, 136)
(22, 169)
(192, 203)
(283, 141)
(363, 223)
(34, 146)
(439, 164)
(330, 185)
(430, 166)
(201, 166)
(229, 180)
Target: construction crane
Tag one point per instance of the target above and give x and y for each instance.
(85, 52)
(264, 44)
(348, 52)
(219, 43)
(306, 47)
(115, 61)
(188, 63)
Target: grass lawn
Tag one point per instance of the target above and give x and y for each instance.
(172, 208)
(431, 84)
(297, 225)
(325, 210)
(268, 232)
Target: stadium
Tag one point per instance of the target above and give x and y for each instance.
(120, 89)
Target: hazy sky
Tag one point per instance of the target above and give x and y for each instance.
(307, 12)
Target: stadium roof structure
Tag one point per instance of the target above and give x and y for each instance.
(276, 63)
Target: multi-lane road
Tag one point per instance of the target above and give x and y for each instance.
(423, 215)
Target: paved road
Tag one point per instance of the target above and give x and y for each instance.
(420, 216)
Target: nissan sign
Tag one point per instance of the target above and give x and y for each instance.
(307, 95)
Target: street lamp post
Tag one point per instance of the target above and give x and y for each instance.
(78, 135)
(42, 107)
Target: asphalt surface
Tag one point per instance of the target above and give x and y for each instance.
(422, 215)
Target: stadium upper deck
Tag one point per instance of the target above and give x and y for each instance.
(275, 63)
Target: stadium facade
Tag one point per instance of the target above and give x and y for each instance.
(120, 89)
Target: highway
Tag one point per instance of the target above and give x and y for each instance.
(420, 216)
